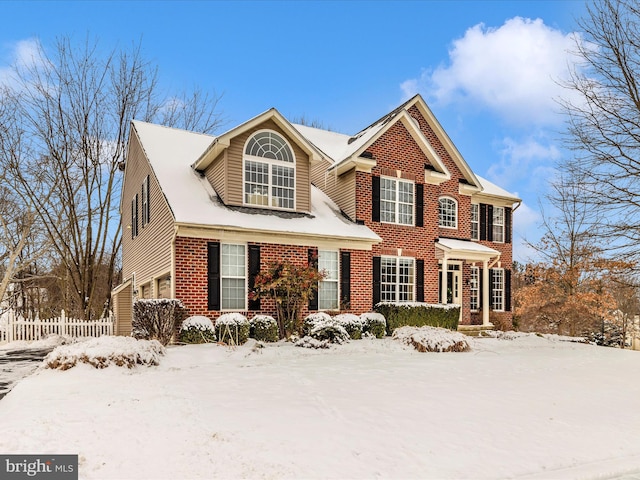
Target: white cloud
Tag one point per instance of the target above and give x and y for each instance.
(519, 157)
(22, 54)
(525, 227)
(512, 70)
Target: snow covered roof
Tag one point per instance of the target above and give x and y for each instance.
(492, 189)
(193, 201)
(465, 249)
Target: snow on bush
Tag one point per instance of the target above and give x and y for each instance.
(157, 318)
(512, 335)
(313, 319)
(374, 324)
(432, 339)
(104, 351)
(264, 328)
(197, 329)
(351, 323)
(232, 328)
(310, 342)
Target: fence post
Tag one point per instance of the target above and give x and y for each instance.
(63, 326)
(11, 325)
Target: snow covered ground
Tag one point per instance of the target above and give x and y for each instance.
(528, 408)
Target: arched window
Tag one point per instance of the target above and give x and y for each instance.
(447, 212)
(269, 171)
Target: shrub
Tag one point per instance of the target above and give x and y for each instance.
(264, 328)
(432, 339)
(104, 351)
(374, 324)
(419, 315)
(232, 328)
(156, 319)
(351, 323)
(314, 319)
(197, 329)
(331, 332)
(310, 342)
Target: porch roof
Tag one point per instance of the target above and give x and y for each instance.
(464, 250)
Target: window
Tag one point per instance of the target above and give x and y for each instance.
(134, 216)
(397, 279)
(497, 291)
(145, 291)
(448, 212)
(498, 224)
(233, 277)
(474, 289)
(163, 287)
(146, 200)
(269, 171)
(475, 221)
(396, 201)
(328, 286)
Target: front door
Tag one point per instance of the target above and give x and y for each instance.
(454, 291)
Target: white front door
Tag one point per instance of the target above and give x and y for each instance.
(454, 284)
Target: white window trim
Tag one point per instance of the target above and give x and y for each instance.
(455, 202)
(501, 225)
(476, 222)
(246, 277)
(475, 288)
(396, 202)
(336, 281)
(271, 163)
(397, 283)
(494, 289)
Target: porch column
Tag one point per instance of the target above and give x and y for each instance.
(485, 293)
(443, 284)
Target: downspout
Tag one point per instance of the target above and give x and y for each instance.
(173, 261)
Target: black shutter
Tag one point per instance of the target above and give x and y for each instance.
(377, 271)
(491, 305)
(137, 214)
(507, 225)
(419, 280)
(133, 219)
(345, 280)
(419, 205)
(144, 208)
(313, 262)
(507, 290)
(483, 221)
(148, 199)
(490, 223)
(375, 199)
(440, 286)
(254, 269)
(213, 276)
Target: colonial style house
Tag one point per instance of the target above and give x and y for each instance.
(383, 212)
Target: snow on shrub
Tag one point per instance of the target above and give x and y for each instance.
(310, 342)
(264, 328)
(156, 319)
(351, 323)
(314, 319)
(374, 323)
(197, 329)
(104, 351)
(232, 328)
(432, 339)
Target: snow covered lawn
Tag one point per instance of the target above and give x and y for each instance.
(523, 408)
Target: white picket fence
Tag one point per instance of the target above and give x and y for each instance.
(17, 328)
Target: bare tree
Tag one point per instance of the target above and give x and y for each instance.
(75, 104)
(604, 120)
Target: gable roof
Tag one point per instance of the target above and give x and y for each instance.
(193, 201)
(223, 141)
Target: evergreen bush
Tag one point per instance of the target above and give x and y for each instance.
(419, 315)
(312, 320)
(374, 323)
(197, 329)
(264, 328)
(232, 328)
(351, 323)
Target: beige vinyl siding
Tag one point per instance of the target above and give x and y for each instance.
(149, 254)
(341, 190)
(235, 168)
(122, 306)
(216, 174)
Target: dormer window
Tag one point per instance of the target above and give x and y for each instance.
(269, 171)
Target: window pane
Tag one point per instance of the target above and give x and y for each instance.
(475, 221)
(498, 289)
(233, 293)
(447, 212)
(474, 288)
(498, 224)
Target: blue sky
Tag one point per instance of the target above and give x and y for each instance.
(489, 70)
